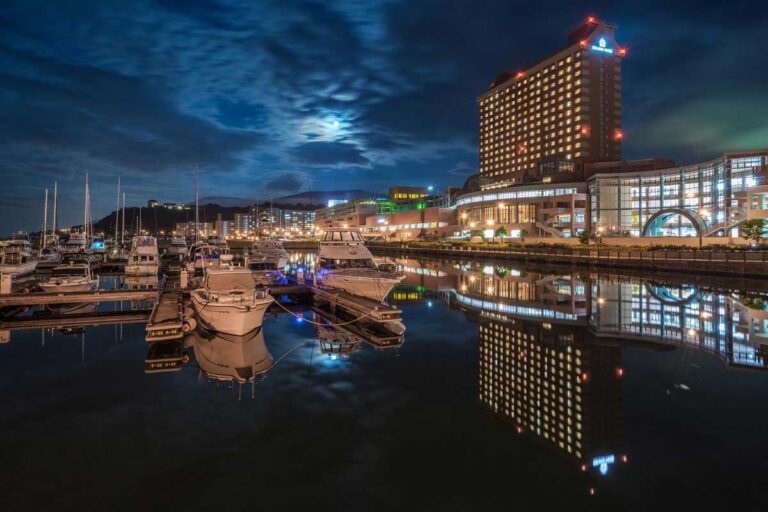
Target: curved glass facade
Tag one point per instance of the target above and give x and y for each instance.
(707, 198)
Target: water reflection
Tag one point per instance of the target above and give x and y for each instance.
(733, 326)
(228, 358)
(551, 344)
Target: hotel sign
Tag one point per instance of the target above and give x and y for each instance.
(602, 46)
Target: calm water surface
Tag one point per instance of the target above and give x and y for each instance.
(512, 388)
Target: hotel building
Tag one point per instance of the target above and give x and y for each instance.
(553, 384)
(544, 122)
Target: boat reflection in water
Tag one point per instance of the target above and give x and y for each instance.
(229, 358)
(550, 350)
(141, 283)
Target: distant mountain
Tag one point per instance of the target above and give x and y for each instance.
(323, 196)
(304, 198)
(226, 202)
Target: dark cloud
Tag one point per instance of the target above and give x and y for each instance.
(286, 183)
(366, 94)
(329, 154)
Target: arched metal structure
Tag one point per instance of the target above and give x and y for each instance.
(672, 295)
(658, 219)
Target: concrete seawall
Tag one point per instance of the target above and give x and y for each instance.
(726, 263)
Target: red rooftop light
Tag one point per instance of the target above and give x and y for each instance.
(591, 20)
(622, 51)
(583, 43)
(618, 135)
(520, 74)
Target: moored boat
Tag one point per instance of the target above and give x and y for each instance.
(346, 264)
(143, 259)
(71, 278)
(269, 250)
(229, 302)
(16, 258)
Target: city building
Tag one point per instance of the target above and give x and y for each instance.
(152, 203)
(187, 229)
(426, 223)
(351, 214)
(244, 225)
(546, 121)
(284, 222)
(704, 199)
(225, 228)
(540, 210)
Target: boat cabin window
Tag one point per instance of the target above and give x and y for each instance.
(68, 272)
(228, 281)
(342, 236)
(262, 265)
(333, 264)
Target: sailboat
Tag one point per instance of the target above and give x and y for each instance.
(50, 249)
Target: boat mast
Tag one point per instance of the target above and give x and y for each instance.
(122, 232)
(85, 210)
(117, 209)
(197, 211)
(55, 202)
(45, 219)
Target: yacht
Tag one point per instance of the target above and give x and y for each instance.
(17, 258)
(229, 302)
(347, 264)
(178, 247)
(269, 250)
(266, 273)
(71, 278)
(203, 256)
(144, 259)
(220, 242)
(75, 244)
(232, 358)
(50, 253)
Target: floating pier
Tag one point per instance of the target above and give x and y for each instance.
(43, 298)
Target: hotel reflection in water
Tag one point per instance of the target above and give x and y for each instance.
(550, 346)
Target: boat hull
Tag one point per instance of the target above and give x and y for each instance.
(376, 288)
(21, 269)
(236, 319)
(141, 270)
(86, 286)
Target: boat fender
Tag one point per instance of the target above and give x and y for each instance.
(189, 324)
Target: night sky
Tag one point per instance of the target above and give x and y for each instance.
(275, 97)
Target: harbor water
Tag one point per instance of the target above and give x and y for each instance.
(513, 386)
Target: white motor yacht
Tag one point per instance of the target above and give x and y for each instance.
(220, 242)
(144, 259)
(76, 243)
(178, 247)
(347, 264)
(74, 277)
(202, 256)
(229, 302)
(265, 273)
(232, 358)
(269, 250)
(17, 258)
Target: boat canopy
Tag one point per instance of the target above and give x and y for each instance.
(228, 281)
(144, 241)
